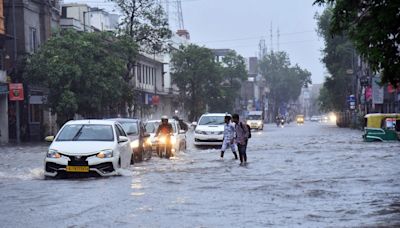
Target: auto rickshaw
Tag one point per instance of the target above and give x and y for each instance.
(300, 119)
(382, 127)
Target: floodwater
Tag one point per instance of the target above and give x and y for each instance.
(314, 175)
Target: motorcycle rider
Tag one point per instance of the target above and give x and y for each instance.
(166, 130)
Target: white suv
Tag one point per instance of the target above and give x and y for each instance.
(209, 130)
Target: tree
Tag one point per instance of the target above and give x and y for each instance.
(373, 27)
(197, 76)
(82, 71)
(145, 25)
(338, 58)
(233, 72)
(284, 81)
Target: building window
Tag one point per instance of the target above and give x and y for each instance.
(147, 75)
(35, 113)
(143, 73)
(64, 12)
(32, 39)
(139, 73)
(154, 76)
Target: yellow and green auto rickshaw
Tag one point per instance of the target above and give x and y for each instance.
(382, 127)
(300, 119)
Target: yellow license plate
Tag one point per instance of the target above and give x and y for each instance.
(78, 169)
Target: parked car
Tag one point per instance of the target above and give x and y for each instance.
(209, 130)
(140, 139)
(90, 147)
(178, 138)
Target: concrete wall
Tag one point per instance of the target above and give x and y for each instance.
(100, 20)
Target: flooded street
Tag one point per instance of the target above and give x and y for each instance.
(314, 175)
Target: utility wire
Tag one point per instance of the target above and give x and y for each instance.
(257, 37)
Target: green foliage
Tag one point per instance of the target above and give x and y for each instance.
(146, 23)
(373, 27)
(338, 57)
(204, 82)
(197, 76)
(83, 72)
(284, 81)
(233, 72)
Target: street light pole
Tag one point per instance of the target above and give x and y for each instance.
(17, 122)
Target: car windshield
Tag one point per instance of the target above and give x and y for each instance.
(212, 120)
(151, 127)
(131, 128)
(254, 117)
(86, 132)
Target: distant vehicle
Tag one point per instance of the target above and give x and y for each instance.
(324, 119)
(315, 118)
(178, 139)
(140, 139)
(300, 119)
(209, 131)
(382, 127)
(89, 147)
(280, 121)
(255, 120)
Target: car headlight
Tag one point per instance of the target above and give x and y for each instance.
(135, 144)
(105, 154)
(53, 154)
(148, 141)
(198, 132)
(173, 140)
(162, 140)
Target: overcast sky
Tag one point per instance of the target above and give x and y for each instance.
(240, 24)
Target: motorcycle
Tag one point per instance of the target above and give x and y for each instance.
(280, 122)
(164, 146)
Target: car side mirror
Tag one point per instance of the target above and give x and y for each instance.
(122, 139)
(182, 132)
(194, 123)
(49, 138)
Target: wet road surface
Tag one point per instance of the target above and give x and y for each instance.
(315, 175)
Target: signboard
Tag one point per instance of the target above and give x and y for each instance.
(155, 100)
(16, 92)
(377, 91)
(150, 99)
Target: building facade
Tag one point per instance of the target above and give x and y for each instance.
(35, 20)
(81, 17)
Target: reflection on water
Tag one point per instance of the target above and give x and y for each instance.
(311, 175)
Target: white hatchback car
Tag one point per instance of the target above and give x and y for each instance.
(91, 147)
(209, 130)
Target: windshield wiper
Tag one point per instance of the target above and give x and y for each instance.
(78, 134)
(209, 123)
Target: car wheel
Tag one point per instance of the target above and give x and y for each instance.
(132, 159)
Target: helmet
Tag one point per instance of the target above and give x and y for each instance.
(164, 118)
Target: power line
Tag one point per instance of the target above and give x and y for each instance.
(290, 42)
(256, 37)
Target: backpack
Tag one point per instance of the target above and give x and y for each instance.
(248, 129)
